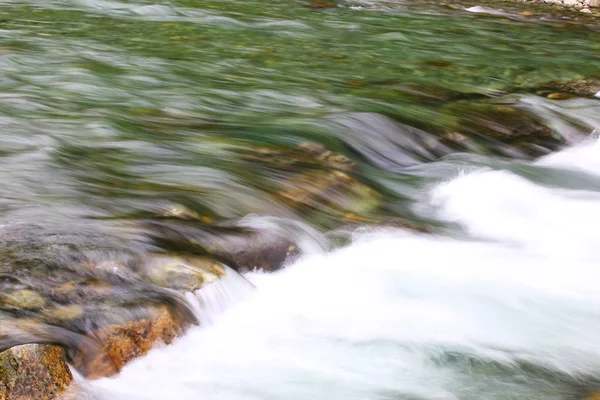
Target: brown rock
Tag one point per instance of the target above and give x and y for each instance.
(33, 372)
(182, 273)
(66, 313)
(65, 292)
(333, 191)
(121, 343)
(582, 87)
(306, 153)
(558, 96)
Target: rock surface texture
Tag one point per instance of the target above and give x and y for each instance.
(33, 372)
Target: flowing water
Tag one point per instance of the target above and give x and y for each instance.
(511, 312)
(434, 164)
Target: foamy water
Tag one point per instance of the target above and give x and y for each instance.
(511, 310)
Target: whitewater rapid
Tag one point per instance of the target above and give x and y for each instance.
(505, 307)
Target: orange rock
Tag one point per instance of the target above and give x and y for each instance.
(558, 96)
(34, 372)
(121, 343)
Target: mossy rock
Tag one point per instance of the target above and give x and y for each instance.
(305, 154)
(500, 121)
(583, 87)
(34, 372)
(182, 273)
(336, 192)
(23, 299)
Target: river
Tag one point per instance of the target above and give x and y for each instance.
(441, 184)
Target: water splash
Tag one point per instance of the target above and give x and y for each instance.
(398, 315)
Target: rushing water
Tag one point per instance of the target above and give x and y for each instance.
(512, 312)
(133, 133)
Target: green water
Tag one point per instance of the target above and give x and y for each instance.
(116, 108)
(136, 126)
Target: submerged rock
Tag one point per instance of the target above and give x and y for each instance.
(335, 192)
(583, 87)
(306, 154)
(23, 299)
(182, 273)
(240, 248)
(33, 371)
(500, 126)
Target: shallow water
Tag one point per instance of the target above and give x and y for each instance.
(130, 107)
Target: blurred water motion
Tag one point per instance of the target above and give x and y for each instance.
(147, 148)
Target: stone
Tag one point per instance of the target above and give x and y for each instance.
(66, 313)
(65, 292)
(182, 273)
(24, 299)
(306, 153)
(34, 372)
(582, 87)
(558, 96)
(122, 343)
(332, 191)
(240, 247)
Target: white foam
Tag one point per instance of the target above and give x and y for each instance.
(398, 315)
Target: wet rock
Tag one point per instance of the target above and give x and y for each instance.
(335, 192)
(558, 96)
(239, 247)
(23, 299)
(182, 273)
(66, 313)
(324, 157)
(65, 292)
(121, 343)
(495, 120)
(583, 87)
(502, 126)
(306, 154)
(33, 372)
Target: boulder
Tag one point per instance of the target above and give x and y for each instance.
(33, 372)
(121, 343)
